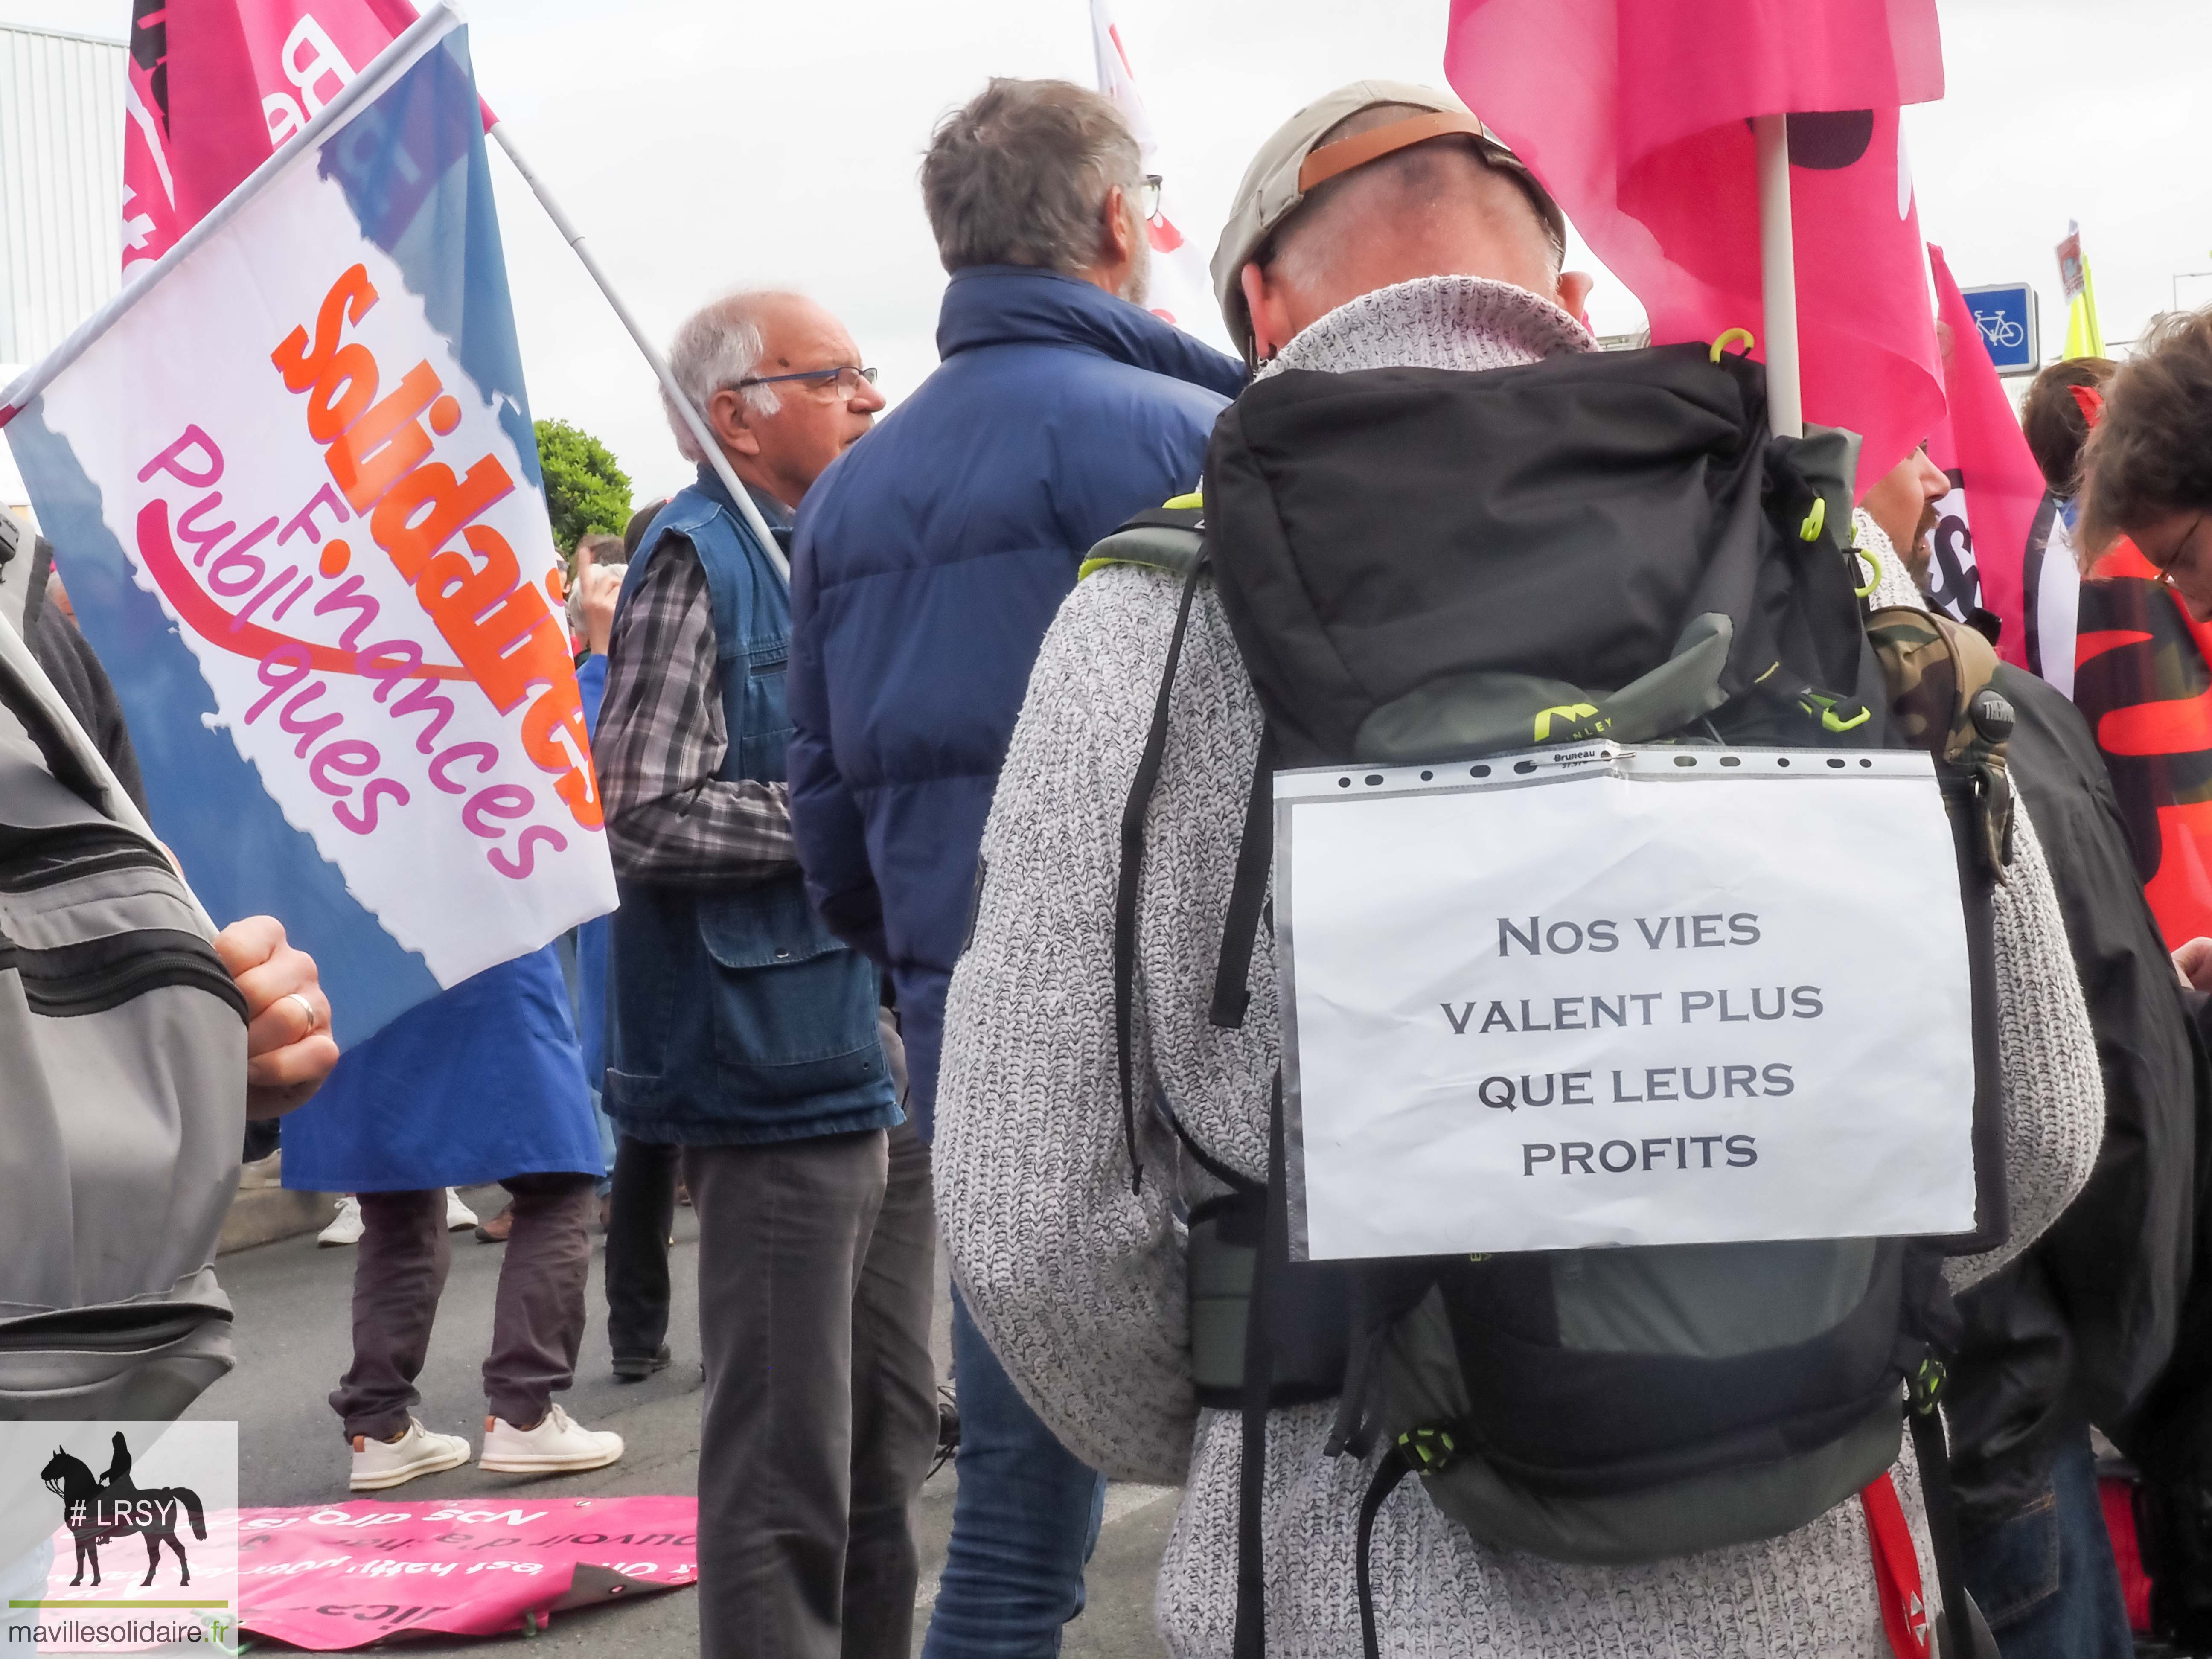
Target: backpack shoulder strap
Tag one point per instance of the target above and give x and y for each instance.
(1168, 538)
(1134, 812)
(1240, 929)
(1938, 674)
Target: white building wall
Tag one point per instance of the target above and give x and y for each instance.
(61, 196)
(61, 184)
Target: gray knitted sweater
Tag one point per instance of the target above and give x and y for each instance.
(1078, 1284)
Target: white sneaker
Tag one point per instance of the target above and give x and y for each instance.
(458, 1216)
(381, 1463)
(558, 1443)
(345, 1225)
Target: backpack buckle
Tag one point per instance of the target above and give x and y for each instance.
(1993, 718)
(1925, 1385)
(1430, 1449)
(1824, 707)
(1993, 813)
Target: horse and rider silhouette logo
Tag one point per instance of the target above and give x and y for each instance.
(96, 1511)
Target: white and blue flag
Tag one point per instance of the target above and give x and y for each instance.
(290, 477)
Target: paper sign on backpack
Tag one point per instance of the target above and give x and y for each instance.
(1606, 996)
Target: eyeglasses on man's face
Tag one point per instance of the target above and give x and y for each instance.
(842, 382)
(1148, 197)
(2179, 563)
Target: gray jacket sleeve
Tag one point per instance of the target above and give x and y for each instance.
(2054, 1088)
(1076, 1282)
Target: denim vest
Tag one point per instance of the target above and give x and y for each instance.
(736, 1017)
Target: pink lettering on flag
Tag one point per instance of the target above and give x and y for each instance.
(1637, 118)
(206, 617)
(358, 1571)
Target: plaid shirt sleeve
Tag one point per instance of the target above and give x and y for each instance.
(661, 740)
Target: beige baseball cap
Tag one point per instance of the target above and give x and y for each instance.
(1295, 161)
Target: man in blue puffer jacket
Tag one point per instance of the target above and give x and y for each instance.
(929, 560)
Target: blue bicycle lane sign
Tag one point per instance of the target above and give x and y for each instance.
(2006, 317)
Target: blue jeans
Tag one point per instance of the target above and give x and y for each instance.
(1024, 1519)
(2045, 1580)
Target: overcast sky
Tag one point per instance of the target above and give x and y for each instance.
(702, 145)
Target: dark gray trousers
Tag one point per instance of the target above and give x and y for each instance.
(640, 1210)
(538, 1320)
(815, 1278)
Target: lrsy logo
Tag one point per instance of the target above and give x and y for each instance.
(99, 1510)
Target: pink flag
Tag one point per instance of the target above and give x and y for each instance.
(1637, 118)
(1980, 444)
(215, 86)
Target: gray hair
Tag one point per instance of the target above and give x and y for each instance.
(718, 345)
(1019, 176)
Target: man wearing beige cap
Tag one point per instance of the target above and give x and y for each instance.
(1377, 184)
(1381, 228)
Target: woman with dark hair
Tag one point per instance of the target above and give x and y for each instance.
(2057, 422)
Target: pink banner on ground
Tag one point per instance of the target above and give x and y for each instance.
(353, 1573)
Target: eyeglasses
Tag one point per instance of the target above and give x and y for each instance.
(844, 381)
(1148, 197)
(2164, 576)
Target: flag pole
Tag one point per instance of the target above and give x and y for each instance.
(1777, 273)
(683, 405)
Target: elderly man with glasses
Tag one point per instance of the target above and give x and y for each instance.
(744, 1036)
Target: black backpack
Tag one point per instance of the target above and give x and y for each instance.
(1424, 565)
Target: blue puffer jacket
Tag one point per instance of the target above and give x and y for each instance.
(928, 562)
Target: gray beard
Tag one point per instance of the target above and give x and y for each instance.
(1137, 288)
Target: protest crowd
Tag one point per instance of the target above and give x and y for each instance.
(961, 769)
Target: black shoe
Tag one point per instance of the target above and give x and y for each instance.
(636, 1367)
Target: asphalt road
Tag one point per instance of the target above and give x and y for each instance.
(292, 1343)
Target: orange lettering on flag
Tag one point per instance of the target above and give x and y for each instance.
(378, 452)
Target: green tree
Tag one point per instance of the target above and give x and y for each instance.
(585, 489)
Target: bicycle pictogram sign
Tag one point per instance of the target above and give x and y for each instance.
(2005, 316)
(1998, 329)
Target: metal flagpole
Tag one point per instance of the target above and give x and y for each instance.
(1778, 274)
(692, 416)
